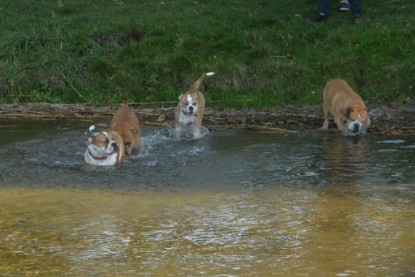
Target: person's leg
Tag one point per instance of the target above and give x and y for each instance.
(323, 7)
(356, 7)
(322, 13)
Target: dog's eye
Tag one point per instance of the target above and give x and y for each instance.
(107, 141)
(194, 104)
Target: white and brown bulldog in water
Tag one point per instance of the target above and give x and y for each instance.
(108, 148)
(105, 148)
(347, 107)
(190, 110)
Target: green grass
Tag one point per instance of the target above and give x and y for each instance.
(265, 52)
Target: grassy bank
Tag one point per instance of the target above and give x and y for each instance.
(264, 52)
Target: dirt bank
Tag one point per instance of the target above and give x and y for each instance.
(385, 118)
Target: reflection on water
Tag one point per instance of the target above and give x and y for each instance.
(237, 203)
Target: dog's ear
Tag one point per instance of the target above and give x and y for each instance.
(348, 111)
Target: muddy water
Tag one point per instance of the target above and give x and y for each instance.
(235, 203)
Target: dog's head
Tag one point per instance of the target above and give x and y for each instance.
(355, 120)
(189, 104)
(102, 144)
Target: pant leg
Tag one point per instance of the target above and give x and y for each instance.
(356, 6)
(324, 6)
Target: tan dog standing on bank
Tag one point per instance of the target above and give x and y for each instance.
(108, 148)
(190, 110)
(347, 107)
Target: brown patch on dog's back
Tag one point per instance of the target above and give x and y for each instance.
(126, 123)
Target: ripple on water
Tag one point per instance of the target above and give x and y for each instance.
(234, 159)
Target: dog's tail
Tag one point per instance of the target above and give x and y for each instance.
(125, 98)
(196, 85)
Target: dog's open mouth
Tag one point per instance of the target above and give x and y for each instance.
(188, 113)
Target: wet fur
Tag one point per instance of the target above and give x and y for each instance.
(124, 131)
(346, 106)
(183, 116)
(100, 152)
(125, 123)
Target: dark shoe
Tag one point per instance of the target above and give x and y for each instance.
(318, 17)
(357, 18)
(344, 6)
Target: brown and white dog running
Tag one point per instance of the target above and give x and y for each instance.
(190, 110)
(108, 148)
(347, 107)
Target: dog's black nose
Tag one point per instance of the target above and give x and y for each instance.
(115, 146)
(191, 108)
(356, 128)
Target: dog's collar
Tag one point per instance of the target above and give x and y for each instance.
(97, 158)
